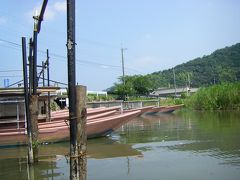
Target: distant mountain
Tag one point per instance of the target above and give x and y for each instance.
(223, 65)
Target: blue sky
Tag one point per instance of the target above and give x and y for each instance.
(157, 34)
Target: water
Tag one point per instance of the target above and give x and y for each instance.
(183, 145)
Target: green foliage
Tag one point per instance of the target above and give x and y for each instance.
(134, 86)
(221, 66)
(218, 97)
(94, 97)
(171, 101)
(184, 95)
(36, 144)
(54, 106)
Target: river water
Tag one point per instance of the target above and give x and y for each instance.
(183, 145)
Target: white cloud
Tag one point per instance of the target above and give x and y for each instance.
(148, 36)
(51, 12)
(144, 64)
(60, 6)
(104, 67)
(3, 20)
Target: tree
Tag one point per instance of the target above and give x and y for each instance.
(141, 85)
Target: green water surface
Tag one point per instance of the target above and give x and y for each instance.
(183, 145)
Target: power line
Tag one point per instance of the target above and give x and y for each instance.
(77, 60)
(10, 76)
(11, 71)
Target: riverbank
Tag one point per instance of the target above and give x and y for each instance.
(216, 97)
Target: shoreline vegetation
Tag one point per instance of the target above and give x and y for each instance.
(224, 96)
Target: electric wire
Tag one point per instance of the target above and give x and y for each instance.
(77, 59)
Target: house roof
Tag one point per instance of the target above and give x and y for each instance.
(20, 91)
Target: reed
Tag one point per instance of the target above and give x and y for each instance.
(218, 97)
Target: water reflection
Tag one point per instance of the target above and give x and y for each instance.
(18, 168)
(53, 159)
(199, 132)
(169, 146)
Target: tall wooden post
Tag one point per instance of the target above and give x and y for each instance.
(81, 94)
(29, 132)
(33, 100)
(33, 108)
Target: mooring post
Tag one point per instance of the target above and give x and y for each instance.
(81, 96)
(33, 105)
(26, 93)
(74, 172)
(33, 109)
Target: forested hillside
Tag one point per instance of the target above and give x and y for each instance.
(223, 65)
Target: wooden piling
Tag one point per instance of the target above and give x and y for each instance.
(81, 113)
(33, 108)
(26, 97)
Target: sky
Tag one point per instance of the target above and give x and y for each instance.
(155, 34)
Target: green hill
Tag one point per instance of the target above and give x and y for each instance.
(223, 65)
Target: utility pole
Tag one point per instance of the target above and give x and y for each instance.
(123, 71)
(123, 68)
(174, 80)
(77, 105)
(34, 83)
(189, 83)
(74, 163)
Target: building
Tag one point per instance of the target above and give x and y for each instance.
(12, 103)
(166, 92)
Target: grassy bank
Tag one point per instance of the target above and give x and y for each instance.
(217, 97)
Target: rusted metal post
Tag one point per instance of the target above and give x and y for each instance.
(43, 78)
(43, 73)
(81, 94)
(74, 172)
(30, 66)
(48, 83)
(29, 132)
